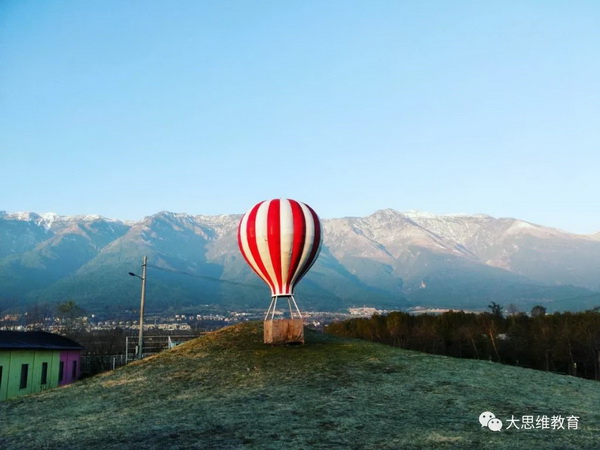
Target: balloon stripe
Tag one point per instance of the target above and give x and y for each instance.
(263, 242)
(254, 255)
(274, 241)
(246, 253)
(308, 243)
(287, 233)
(316, 240)
(299, 239)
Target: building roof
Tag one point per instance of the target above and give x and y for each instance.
(36, 340)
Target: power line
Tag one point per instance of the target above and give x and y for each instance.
(205, 277)
(237, 283)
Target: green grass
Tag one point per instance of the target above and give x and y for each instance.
(228, 390)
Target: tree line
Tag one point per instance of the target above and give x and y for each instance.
(567, 343)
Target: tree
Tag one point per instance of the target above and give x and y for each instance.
(496, 309)
(68, 312)
(538, 311)
(512, 309)
(38, 316)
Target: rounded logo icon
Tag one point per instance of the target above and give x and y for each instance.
(485, 417)
(495, 424)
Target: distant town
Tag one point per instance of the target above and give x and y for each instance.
(72, 321)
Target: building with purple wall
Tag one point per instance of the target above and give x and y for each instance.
(69, 366)
(34, 361)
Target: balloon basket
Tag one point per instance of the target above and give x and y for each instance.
(284, 331)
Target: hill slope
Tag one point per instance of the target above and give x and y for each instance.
(228, 390)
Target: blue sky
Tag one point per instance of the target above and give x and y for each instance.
(128, 108)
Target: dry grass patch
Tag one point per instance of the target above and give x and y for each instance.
(228, 390)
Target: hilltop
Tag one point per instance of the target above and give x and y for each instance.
(228, 390)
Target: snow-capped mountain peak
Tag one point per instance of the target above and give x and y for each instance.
(394, 253)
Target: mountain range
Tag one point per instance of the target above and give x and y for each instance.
(388, 260)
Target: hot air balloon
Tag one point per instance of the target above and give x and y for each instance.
(280, 240)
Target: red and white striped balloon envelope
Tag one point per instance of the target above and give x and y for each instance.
(280, 240)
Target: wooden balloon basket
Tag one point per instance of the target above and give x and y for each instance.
(287, 330)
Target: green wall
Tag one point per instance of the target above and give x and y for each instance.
(12, 361)
(4, 363)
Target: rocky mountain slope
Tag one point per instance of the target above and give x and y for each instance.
(388, 259)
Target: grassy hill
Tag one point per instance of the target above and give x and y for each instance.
(228, 390)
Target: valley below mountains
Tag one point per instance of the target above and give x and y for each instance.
(388, 260)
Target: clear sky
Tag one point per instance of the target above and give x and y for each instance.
(127, 108)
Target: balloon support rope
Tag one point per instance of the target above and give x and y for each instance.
(292, 305)
(273, 300)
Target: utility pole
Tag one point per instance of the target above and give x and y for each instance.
(140, 350)
(142, 304)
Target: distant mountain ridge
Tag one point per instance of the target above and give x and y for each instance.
(389, 259)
